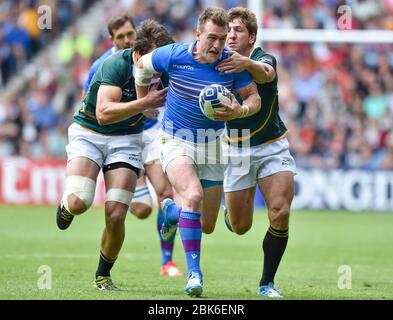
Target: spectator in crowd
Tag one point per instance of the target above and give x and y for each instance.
(336, 99)
(20, 35)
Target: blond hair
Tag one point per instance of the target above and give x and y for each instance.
(218, 16)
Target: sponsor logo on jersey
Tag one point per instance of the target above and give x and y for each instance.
(183, 66)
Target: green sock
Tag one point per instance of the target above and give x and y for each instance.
(274, 245)
(104, 266)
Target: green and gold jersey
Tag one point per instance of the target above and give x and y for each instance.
(264, 126)
(116, 71)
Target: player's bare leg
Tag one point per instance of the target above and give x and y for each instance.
(120, 184)
(239, 210)
(163, 190)
(81, 176)
(211, 206)
(159, 181)
(141, 204)
(183, 176)
(278, 192)
(115, 212)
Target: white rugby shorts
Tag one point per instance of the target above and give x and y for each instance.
(206, 156)
(246, 165)
(151, 144)
(104, 149)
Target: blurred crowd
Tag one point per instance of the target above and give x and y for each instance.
(336, 99)
(337, 105)
(318, 14)
(21, 33)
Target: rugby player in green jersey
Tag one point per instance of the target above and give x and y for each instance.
(122, 33)
(259, 140)
(107, 134)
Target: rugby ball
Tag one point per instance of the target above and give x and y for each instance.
(210, 97)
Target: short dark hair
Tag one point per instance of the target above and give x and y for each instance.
(218, 16)
(246, 16)
(150, 34)
(118, 21)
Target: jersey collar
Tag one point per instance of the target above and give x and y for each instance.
(252, 51)
(191, 47)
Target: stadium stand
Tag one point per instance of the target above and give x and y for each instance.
(20, 35)
(336, 99)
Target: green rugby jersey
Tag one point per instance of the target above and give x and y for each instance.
(116, 70)
(266, 125)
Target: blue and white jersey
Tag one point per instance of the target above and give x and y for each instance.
(187, 77)
(93, 69)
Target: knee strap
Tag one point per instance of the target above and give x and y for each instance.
(82, 187)
(119, 195)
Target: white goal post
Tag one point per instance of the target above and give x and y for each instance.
(323, 35)
(316, 35)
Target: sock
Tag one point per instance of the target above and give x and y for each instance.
(226, 220)
(141, 195)
(166, 247)
(104, 266)
(64, 204)
(273, 246)
(190, 230)
(173, 213)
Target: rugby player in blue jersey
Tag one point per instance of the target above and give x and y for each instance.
(122, 32)
(188, 137)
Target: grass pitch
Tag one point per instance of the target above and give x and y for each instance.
(319, 243)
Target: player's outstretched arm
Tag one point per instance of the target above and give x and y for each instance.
(261, 72)
(251, 105)
(235, 63)
(111, 110)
